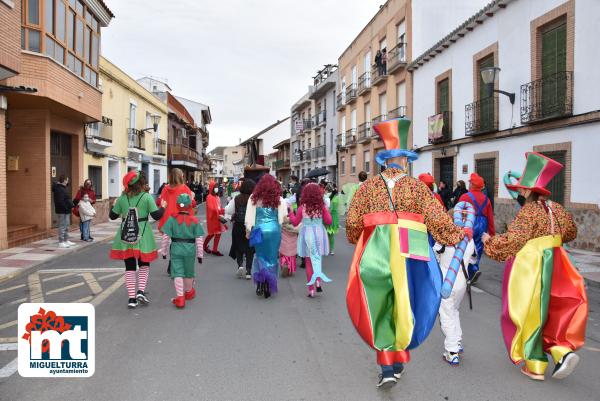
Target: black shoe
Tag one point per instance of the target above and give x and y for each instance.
(92, 238)
(132, 303)
(475, 277)
(566, 366)
(141, 298)
(267, 291)
(259, 289)
(386, 382)
(319, 289)
(398, 372)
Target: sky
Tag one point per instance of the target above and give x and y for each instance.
(249, 60)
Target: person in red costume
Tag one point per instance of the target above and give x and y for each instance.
(213, 219)
(171, 192)
(428, 180)
(484, 219)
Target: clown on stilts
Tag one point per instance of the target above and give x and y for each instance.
(544, 303)
(186, 236)
(393, 292)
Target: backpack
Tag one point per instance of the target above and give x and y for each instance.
(130, 228)
(481, 221)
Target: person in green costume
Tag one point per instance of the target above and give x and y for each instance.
(142, 251)
(187, 240)
(334, 208)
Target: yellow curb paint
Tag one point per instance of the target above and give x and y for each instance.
(106, 293)
(35, 288)
(92, 283)
(4, 340)
(83, 300)
(12, 288)
(18, 301)
(8, 324)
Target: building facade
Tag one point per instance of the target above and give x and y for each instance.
(216, 161)
(281, 165)
(59, 59)
(232, 162)
(545, 63)
(125, 138)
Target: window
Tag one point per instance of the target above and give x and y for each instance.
(33, 12)
(342, 165)
(60, 21)
(401, 94)
(70, 30)
(132, 109)
(331, 145)
(443, 94)
(95, 174)
(49, 15)
(382, 104)
(487, 107)
(486, 168)
(352, 164)
(33, 44)
(557, 184)
(79, 37)
(554, 61)
(367, 161)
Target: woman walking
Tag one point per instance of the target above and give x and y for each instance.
(312, 240)
(264, 216)
(214, 214)
(236, 208)
(334, 210)
(171, 192)
(134, 242)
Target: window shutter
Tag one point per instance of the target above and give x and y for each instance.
(444, 96)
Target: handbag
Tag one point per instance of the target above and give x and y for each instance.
(256, 237)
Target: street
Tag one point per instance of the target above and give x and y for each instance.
(228, 344)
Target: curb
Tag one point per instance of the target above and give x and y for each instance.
(21, 272)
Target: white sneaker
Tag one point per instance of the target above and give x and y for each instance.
(240, 272)
(451, 357)
(70, 243)
(566, 366)
(386, 382)
(63, 245)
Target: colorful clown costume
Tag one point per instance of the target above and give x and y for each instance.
(544, 303)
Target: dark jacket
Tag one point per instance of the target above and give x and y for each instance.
(62, 199)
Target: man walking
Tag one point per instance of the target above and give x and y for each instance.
(62, 208)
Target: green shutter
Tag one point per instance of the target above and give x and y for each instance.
(444, 95)
(554, 61)
(557, 184)
(487, 108)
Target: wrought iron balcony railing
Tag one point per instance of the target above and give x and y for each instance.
(184, 153)
(341, 140)
(307, 124)
(136, 139)
(340, 102)
(351, 137)
(378, 74)
(364, 82)
(546, 98)
(397, 112)
(320, 118)
(481, 116)
(297, 156)
(379, 119)
(440, 127)
(351, 93)
(160, 147)
(320, 152)
(396, 57)
(364, 132)
(281, 164)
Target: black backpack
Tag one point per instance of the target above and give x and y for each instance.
(130, 228)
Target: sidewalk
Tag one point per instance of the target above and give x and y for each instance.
(15, 261)
(588, 264)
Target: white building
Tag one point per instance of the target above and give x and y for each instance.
(266, 140)
(544, 51)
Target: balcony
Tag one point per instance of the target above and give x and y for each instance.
(547, 98)
(397, 112)
(351, 93)
(341, 102)
(396, 58)
(136, 140)
(379, 119)
(99, 135)
(307, 124)
(341, 140)
(320, 118)
(440, 127)
(351, 137)
(364, 83)
(160, 147)
(379, 75)
(182, 155)
(364, 132)
(306, 155)
(297, 156)
(281, 164)
(320, 152)
(481, 116)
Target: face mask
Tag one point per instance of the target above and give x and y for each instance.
(216, 190)
(521, 200)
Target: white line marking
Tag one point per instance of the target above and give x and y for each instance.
(106, 293)
(12, 288)
(477, 290)
(110, 275)
(58, 276)
(8, 347)
(64, 288)
(75, 271)
(9, 369)
(92, 283)
(8, 324)
(18, 301)
(4, 340)
(83, 300)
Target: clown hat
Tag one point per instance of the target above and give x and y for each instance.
(184, 201)
(394, 135)
(477, 181)
(539, 170)
(427, 179)
(131, 178)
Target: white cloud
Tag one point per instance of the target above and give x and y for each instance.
(249, 60)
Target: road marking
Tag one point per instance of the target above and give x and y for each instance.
(8, 324)
(592, 349)
(10, 368)
(64, 288)
(57, 277)
(106, 293)
(83, 300)
(477, 290)
(18, 301)
(92, 283)
(12, 288)
(8, 347)
(75, 271)
(110, 275)
(4, 340)
(35, 288)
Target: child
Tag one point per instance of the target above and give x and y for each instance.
(86, 214)
(312, 240)
(288, 249)
(186, 236)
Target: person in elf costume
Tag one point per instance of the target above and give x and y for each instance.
(393, 293)
(544, 303)
(214, 213)
(186, 235)
(334, 210)
(144, 250)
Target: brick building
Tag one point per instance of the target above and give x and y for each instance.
(59, 58)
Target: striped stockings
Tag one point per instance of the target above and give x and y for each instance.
(142, 280)
(130, 283)
(178, 286)
(143, 277)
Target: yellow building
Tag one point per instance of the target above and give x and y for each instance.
(132, 134)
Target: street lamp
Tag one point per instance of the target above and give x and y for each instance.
(155, 121)
(489, 75)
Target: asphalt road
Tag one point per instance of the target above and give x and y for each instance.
(228, 344)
